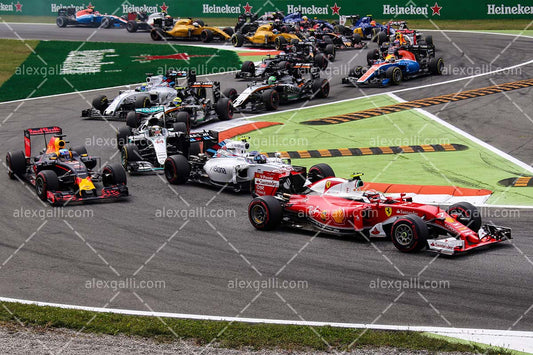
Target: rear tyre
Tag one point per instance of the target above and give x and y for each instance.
(436, 65)
(237, 39)
(132, 119)
(177, 169)
(224, 109)
(429, 40)
(180, 127)
(320, 171)
(270, 99)
(265, 213)
(320, 88)
(375, 34)
(230, 93)
(113, 174)
(16, 164)
(356, 38)
(466, 214)
(61, 22)
(330, 51)
(82, 150)
(382, 38)
(229, 31)
(46, 181)
(372, 56)
(280, 42)
(131, 26)
(106, 23)
(321, 61)
(100, 103)
(395, 75)
(156, 35)
(184, 117)
(409, 234)
(122, 136)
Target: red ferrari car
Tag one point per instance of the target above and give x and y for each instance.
(338, 206)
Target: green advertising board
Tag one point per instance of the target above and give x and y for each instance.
(388, 9)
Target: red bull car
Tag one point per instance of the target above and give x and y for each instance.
(339, 207)
(64, 175)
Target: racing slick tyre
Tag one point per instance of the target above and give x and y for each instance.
(375, 34)
(100, 103)
(81, 150)
(265, 213)
(122, 136)
(321, 61)
(230, 93)
(114, 174)
(142, 101)
(237, 39)
(129, 153)
(224, 109)
(46, 181)
(16, 164)
(320, 88)
(341, 29)
(177, 169)
(280, 42)
(248, 67)
(228, 30)
(106, 22)
(409, 234)
(356, 38)
(61, 21)
(183, 117)
(356, 72)
(270, 98)
(394, 74)
(330, 52)
(132, 26)
(320, 171)
(180, 127)
(206, 36)
(132, 119)
(466, 214)
(382, 38)
(436, 65)
(429, 40)
(155, 34)
(371, 56)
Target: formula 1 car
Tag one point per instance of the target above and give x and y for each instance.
(87, 18)
(158, 90)
(189, 29)
(64, 175)
(145, 149)
(338, 207)
(399, 64)
(231, 164)
(365, 27)
(141, 21)
(281, 88)
(266, 35)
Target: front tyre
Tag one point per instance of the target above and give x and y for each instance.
(409, 234)
(265, 213)
(46, 181)
(177, 169)
(394, 74)
(270, 99)
(224, 109)
(114, 174)
(466, 214)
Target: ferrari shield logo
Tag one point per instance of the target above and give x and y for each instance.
(388, 211)
(328, 184)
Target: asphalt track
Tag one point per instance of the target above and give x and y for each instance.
(59, 259)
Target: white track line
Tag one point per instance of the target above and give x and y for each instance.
(517, 340)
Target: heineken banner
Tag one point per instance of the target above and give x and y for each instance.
(328, 9)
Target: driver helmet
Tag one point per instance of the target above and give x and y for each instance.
(260, 159)
(372, 23)
(305, 18)
(177, 101)
(144, 87)
(64, 153)
(196, 24)
(155, 130)
(272, 80)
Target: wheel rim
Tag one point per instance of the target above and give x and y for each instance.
(170, 171)
(39, 186)
(124, 159)
(397, 76)
(258, 214)
(403, 235)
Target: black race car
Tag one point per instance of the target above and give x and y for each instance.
(64, 175)
(281, 87)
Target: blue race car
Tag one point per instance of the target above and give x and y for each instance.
(88, 18)
(366, 27)
(399, 63)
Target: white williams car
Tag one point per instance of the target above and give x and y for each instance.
(230, 163)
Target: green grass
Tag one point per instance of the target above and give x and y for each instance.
(14, 53)
(476, 167)
(28, 19)
(228, 335)
(42, 71)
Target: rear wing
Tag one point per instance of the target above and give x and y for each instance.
(42, 131)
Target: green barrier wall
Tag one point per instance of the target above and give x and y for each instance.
(399, 9)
